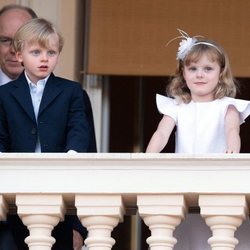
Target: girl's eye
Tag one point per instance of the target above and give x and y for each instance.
(208, 69)
(192, 68)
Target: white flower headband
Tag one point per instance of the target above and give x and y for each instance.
(187, 43)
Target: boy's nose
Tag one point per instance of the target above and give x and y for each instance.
(44, 57)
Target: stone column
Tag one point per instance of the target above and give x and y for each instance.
(161, 213)
(99, 214)
(40, 213)
(3, 208)
(223, 214)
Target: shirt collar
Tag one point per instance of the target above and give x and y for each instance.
(4, 78)
(42, 81)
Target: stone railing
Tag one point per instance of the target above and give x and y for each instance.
(103, 187)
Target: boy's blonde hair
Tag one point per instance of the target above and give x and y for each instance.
(36, 30)
(226, 85)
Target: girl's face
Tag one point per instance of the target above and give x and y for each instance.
(39, 61)
(202, 78)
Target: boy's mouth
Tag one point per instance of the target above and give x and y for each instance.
(43, 68)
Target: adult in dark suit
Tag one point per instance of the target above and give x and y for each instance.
(11, 18)
(40, 112)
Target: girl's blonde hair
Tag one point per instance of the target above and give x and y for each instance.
(36, 30)
(177, 87)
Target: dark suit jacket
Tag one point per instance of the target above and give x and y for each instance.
(92, 148)
(62, 122)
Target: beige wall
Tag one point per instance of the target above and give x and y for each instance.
(3, 2)
(129, 37)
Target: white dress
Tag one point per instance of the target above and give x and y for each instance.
(200, 125)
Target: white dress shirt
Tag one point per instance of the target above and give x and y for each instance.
(4, 78)
(36, 93)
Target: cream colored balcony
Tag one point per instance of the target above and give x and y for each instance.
(160, 188)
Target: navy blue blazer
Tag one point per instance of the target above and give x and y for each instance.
(62, 122)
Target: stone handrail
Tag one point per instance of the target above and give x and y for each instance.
(103, 187)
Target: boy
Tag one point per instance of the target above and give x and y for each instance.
(40, 112)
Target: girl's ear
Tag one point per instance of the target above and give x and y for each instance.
(19, 56)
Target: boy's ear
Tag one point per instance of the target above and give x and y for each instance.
(19, 56)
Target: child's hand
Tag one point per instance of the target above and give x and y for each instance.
(231, 151)
(77, 240)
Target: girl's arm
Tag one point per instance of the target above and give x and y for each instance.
(232, 128)
(161, 135)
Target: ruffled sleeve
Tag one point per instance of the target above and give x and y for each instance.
(243, 107)
(166, 106)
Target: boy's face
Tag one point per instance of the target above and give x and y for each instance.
(39, 61)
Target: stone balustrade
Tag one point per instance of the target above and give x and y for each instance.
(160, 188)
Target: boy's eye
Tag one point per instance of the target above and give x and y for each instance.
(35, 52)
(51, 52)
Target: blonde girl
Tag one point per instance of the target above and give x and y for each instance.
(201, 102)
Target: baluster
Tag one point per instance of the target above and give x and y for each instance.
(40, 213)
(223, 214)
(3, 208)
(99, 214)
(161, 213)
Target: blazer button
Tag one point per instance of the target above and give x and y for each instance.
(33, 131)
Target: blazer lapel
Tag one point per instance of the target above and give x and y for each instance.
(51, 91)
(22, 94)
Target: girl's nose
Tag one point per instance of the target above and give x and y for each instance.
(199, 73)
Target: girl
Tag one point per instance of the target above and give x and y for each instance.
(203, 108)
